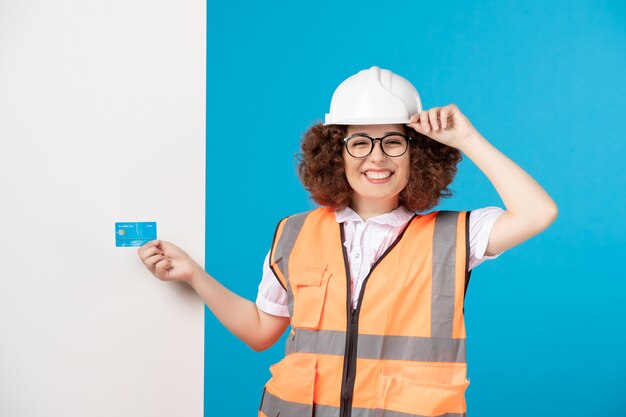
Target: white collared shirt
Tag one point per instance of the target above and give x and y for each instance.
(366, 241)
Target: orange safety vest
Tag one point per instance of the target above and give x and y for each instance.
(401, 352)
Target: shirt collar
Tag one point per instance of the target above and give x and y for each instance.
(394, 218)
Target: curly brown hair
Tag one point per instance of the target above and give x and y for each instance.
(321, 169)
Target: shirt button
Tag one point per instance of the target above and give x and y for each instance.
(357, 255)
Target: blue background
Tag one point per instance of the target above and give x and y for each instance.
(542, 81)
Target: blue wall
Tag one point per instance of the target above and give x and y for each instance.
(542, 81)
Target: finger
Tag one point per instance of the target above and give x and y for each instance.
(153, 260)
(161, 269)
(424, 121)
(444, 117)
(149, 252)
(452, 109)
(433, 116)
(414, 118)
(148, 245)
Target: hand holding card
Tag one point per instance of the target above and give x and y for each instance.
(167, 261)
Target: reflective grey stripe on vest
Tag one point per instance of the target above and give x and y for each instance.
(444, 260)
(408, 348)
(272, 406)
(288, 237)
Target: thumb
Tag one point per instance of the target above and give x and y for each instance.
(417, 126)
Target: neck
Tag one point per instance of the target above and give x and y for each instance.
(372, 208)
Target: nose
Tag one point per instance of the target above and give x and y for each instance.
(377, 153)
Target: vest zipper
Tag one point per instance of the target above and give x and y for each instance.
(347, 383)
(352, 358)
(352, 334)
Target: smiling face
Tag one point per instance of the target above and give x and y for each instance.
(377, 179)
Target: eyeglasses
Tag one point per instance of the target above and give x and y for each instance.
(393, 144)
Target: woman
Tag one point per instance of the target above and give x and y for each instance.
(390, 340)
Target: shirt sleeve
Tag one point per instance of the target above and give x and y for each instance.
(271, 297)
(481, 223)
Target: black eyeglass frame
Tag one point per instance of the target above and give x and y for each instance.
(409, 139)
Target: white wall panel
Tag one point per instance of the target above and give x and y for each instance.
(102, 109)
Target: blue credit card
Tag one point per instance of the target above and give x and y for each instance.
(134, 233)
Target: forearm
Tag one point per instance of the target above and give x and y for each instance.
(522, 195)
(239, 315)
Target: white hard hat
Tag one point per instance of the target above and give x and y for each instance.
(373, 97)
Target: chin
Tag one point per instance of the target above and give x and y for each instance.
(380, 196)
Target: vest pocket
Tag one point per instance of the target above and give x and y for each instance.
(309, 283)
(419, 397)
(293, 382)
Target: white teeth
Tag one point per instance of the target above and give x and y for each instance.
(377, 175)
